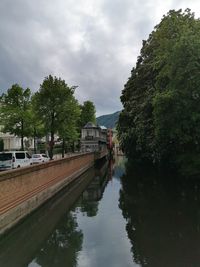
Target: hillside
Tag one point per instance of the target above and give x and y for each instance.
(108, 120)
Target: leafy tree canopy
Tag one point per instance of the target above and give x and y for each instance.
(88, 112)
(161, 117)
(52, 103)
(15, 111)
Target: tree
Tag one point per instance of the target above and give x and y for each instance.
(68, 127)
(15, 111)
(1, 145)
(87, 113)
(37, 126)
(50, 102)
(161, 117)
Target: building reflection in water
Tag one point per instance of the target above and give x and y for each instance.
(89, 200)
(163, 219)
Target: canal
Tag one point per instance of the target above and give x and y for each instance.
(112, 216)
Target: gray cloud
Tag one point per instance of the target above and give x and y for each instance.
(93, 44)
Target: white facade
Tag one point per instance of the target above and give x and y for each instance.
(12, 142)
(90, 132)
(93, 138)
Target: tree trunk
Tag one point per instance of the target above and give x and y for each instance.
(63, 148)
(22, 135)
(51, 145)
(34, 140)
(22, 142)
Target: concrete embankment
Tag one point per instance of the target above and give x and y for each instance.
(23, 190)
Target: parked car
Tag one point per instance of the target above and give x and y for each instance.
(14, 159)
(39, 158)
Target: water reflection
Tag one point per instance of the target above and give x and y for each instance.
(62, 246)
(90, 198)
(105, 241)
(163, 219)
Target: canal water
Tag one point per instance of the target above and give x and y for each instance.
(114, 216)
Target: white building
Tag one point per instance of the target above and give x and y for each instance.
(93, 138)
(12, 142)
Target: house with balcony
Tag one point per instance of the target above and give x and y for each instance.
(93, 138)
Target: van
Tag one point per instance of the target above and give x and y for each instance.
(14, 159)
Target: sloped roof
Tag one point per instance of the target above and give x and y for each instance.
(90, 125)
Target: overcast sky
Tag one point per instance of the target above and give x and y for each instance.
(90, 43)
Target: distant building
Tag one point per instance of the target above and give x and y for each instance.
(12, 142)
(117, 149)
(110, 139)
(93, 138)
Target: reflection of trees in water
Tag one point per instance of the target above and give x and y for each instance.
(62, 247)
(89, 207)
(163, 219)
(119, 166)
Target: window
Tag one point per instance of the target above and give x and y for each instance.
(36, 156)
(5, 156)
(20, 155)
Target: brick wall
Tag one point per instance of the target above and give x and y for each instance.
(23, 190)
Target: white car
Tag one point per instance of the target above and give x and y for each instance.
(14, 159)
(39, 158)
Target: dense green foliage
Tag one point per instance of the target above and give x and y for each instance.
(160, 121)
(68, 128)
(15, 112)
(88, 112)
(109, 120)
(37, 128)
(52, 104)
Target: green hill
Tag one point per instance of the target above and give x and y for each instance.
(108, 120)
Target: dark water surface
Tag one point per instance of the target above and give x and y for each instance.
(112, 217)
